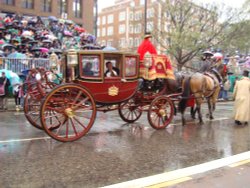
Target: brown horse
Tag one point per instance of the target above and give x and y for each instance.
(202, 86)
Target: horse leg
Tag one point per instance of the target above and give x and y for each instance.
(198, 107)
(183, 118)
(193, 111)
(210, 108)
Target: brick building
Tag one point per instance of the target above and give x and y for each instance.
(123, 25)
(79, 11)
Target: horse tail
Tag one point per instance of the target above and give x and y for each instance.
(185, 95)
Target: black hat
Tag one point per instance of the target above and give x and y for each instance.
(147, 35)
(246, 73)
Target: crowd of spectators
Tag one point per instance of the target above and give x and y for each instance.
(38, 37)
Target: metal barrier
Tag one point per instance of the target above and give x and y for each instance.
(18, 65)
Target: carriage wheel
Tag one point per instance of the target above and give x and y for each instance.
(71, 109)
(31, 111)
(32, 104)
(129, 111)
(161, 112)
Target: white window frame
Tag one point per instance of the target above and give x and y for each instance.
(122, 16)
(110, 31)
(122, 28)
(110, 18)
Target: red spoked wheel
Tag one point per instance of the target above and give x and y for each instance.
(32, 102)
(161, 112)
(129, 111)
(71, 109)
(32, 111)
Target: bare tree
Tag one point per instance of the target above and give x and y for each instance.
(187, 28)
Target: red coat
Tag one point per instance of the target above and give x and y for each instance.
(146, 46)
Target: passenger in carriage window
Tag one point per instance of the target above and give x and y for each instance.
(87, 70)
(111, 70)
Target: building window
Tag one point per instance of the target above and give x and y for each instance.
(28, 4)
(77, 8)
(131, 42)
(98, 21)
(150, 13)
(138, 15)
(122, 29)
(137, 28)
(9, 2)
(110, 18)
(109, 42)
(110, 31)
(131, 29)
(150, 26)
(131, 16)
(103, 32)
(137, 42)
(104, 43)
(122, 42)
(98, 33)
(142, 2)
(46, 6)
(63, 4)
(122, 16)
(103, 20)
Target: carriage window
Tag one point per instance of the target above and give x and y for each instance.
(130, 66)
(91, 66)
(112, 66)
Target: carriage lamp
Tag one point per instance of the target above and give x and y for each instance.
(53, 61)
(72, 59)
(147, 60)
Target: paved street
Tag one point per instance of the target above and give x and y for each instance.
(113, 151)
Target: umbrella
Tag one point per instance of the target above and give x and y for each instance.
(13, 77)
(13, 31)
(80, 29)
(56, 51)
(2, 42)
(69, 22)
(17, 55)
(208, 53)
(33, 42)
(218, 56)
(61, 21)
(8, 46)
(1, 53)
(67, 33)
(47, 41)
(40, 49)
(91, 47)
(109, 48)
(52, 18)
(27, 33)
(44, 50)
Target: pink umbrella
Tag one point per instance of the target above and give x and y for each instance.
(2, 42)
(44, 50)
(67, 33)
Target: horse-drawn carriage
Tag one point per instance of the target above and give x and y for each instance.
(66, 112)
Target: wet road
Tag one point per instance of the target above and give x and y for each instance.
(113, 151)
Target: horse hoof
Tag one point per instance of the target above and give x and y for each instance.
(207, 115)
(211, 117)
(201, 123)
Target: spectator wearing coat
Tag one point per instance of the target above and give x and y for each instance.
(242, 100)
(4, 85)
